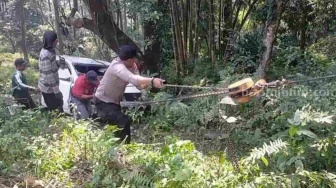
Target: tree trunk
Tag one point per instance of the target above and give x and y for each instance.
(219, 34)
(191, 28)
(234, 24)
(125, 17)
(184, 14)
(249, 10)
(107, 30)
(110, 33)
(152, 52)
(212, 45)
(303, 25)
(49, 6)
(81, 8)
(272, 25)
(58, 27)
(196, 43)
(43, 17)
(175, 48)
(119, 16)
(227, 16)
(12, 42)
(23, 30)
(50, 10)
(179, 39)
(135, 23)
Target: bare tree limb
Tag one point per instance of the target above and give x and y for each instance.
(249, 10)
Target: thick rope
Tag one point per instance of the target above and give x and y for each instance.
(175, 99)
(193, 87)
(220, 91)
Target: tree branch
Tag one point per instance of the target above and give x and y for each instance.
(88, 24)
(251, 7)
(239, 4)
(71, 20)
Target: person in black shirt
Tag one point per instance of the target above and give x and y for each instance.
(19, 85)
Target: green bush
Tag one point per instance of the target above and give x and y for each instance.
(247, 52)
(292, 60)
(325, 46)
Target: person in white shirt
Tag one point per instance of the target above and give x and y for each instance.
(109, 93)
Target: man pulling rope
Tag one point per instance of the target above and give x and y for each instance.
(112, 86)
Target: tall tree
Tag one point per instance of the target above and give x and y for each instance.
(23, 30)
(211, 23)
(276, 8)
(58, 26)
(178, 28)
(103, 25)
(303, 4)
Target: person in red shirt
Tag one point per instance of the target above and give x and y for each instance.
(82, 92)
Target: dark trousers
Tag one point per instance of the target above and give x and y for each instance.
(53, 102)
(27, 102)
(111, 113)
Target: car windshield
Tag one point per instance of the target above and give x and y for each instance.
(83, 69)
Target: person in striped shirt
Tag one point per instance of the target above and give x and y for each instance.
(48, 67)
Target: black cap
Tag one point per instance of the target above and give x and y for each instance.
(127, 52)
(19, 61)
(92, 75)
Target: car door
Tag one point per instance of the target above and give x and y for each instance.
(65, 76)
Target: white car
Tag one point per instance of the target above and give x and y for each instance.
(78, 65)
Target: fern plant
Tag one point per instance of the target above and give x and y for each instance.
(259, 153)
(138, 179)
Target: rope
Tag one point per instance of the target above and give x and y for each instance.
(193, 87)
(219, 91)
(198, 95)
(176, 99)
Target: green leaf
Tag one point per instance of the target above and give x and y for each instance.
(183, 174)
(307, 133)
(296, 120)
(265, 161)
(296, 182)
(221, 158)
(293, 130)
(165, 150)
(257, 133)
(297, 116)
(282, 167)
(299, 165)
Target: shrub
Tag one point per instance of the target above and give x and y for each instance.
(292, 60)
(325, 46)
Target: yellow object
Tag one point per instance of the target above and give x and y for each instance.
(243, 91)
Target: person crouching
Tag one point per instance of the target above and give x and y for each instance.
(82, 93)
